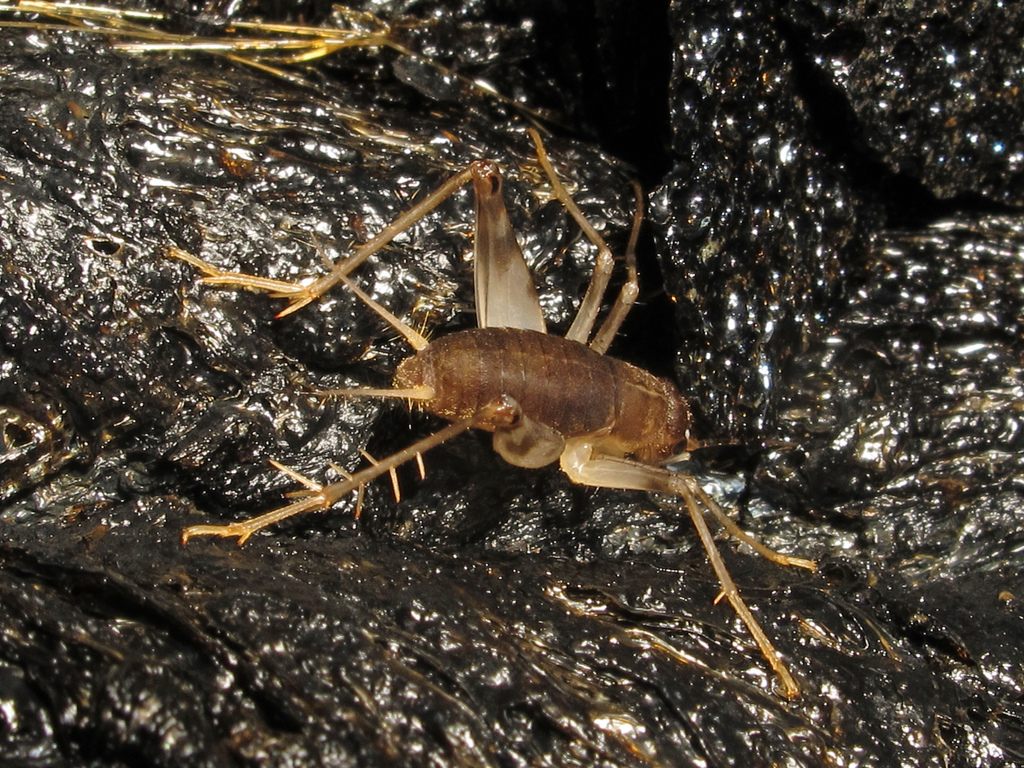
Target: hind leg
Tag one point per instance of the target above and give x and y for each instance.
(301, 293)
(317, 497)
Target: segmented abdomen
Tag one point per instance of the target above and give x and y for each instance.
(557, 382)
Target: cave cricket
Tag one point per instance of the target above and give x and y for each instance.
(544, 398)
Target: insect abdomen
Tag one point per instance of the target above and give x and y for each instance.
(560, 383)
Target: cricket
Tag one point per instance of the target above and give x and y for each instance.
(545, 398)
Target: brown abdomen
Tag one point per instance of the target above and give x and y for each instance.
(557, 382)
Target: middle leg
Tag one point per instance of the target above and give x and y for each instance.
(317, 497)
(604, 263)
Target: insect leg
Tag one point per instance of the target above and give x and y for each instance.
(583, 467)
(322, 497)
(519, 439)
(299, 294)
(739, 534)
(216, 276)
(415, 339)
(790, 689)
(505, 294)
(630, 289)
(583, 323)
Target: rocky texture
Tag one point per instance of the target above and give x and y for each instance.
(858, 387)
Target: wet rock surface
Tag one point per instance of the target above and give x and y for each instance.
(932, 92)
(757, 223)
(858, 381)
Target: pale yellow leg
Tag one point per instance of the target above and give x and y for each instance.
(630, 289)
(582, 466)
(299, 294)
(604, 263)
(315, 497)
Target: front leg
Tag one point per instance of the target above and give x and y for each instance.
(582, 466)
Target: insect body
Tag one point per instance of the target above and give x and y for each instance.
(621, 409)
(544, 398)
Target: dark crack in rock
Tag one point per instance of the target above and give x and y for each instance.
(930, 92)
(757, 223)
